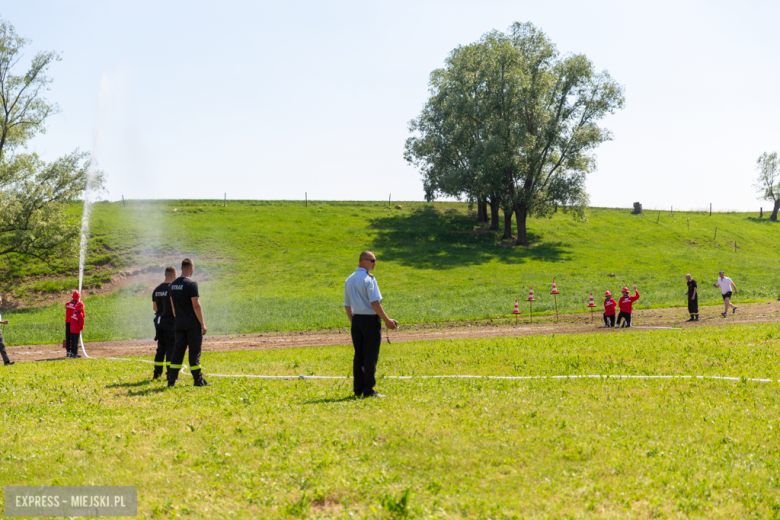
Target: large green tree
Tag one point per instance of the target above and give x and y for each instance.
(34, 194)
(768, 184)
(511, 120)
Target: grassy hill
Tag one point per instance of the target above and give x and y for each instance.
(266, 266)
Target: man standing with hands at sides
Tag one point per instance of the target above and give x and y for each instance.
(693, 298)
(362, 302)
(164, 326)
(190, 326)
(6, 361)
(725, 284)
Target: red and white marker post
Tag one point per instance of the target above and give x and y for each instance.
(516, 312)
(555, 294)
(531, 301)
(591, 304)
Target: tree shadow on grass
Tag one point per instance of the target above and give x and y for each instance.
(432, 239)
(764, 220)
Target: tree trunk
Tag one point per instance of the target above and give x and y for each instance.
(773, 218)
(507, 223)
(522, 231)
(482, 211)
(494, 207)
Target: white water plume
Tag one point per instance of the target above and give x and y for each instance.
(89, 191)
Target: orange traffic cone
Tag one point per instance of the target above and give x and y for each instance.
(531, 301)
(516, 312)
(591, 304)
(555, 294)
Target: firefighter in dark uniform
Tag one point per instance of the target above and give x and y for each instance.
(190, 326)
(693, 298)
(164, 328)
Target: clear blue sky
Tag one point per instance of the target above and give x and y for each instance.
(269, 100)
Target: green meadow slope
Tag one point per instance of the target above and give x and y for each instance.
(274, 266)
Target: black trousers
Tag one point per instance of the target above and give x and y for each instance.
(188, 335)
(366, 338)
(2, 349)
(693, 306)
(609, 320)
(624, 316)
(165, 331)
(71, 340)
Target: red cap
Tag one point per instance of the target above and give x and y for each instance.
(76, 295)
(80, 306)
(625, 289)
(607, 293)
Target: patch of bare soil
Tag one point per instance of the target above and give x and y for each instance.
(523, 326)
(149, 276)
(141, 279)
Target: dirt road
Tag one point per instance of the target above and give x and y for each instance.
(567, 324)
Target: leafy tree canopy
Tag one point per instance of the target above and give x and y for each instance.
(33, 193)
(512, 121)
(768, 183)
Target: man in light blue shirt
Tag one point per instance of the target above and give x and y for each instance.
(362, 302)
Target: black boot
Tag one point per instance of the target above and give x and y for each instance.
(197, 375)
(173, 375)
(202, 382)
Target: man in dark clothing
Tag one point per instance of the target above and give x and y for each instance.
(693, 298)
(6, 360)
(190, 326)
(164, 326)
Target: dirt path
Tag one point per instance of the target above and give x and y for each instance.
(567, 324)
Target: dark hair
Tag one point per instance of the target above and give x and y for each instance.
(170, 270)
(187, 263)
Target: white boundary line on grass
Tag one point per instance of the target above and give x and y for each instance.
(458, 376)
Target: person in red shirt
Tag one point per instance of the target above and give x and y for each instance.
(625, 304)
(76, 326)
(609, 309)
(71, 343)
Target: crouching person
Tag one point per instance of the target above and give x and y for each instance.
(626, 307)
(609, 309)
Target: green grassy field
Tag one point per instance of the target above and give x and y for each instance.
(272, 266)
(435, 448)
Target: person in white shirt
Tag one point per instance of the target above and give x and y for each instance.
(726, 284)
(6, 361)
